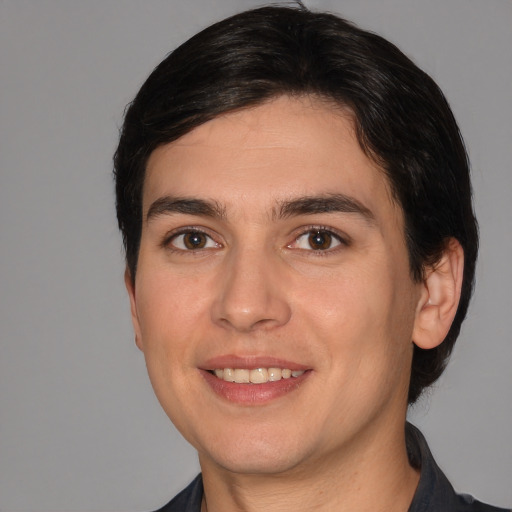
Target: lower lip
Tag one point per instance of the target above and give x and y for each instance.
(253, 394)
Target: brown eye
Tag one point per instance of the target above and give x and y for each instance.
(320, 240)
(317, 240)
(193, 241)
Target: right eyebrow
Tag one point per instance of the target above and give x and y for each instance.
(329, 203)
(168, 205)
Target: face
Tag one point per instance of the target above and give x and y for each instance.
(273, 299)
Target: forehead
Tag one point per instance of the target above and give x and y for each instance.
(285, 148)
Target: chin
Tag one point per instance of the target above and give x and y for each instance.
(254, 455)
(256, 463)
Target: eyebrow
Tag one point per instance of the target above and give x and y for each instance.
(168, 205)
(305, 205)
(330, 203)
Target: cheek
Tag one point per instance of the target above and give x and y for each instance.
(341, 301)
(169, 312)
(359, 315)
(167, 303)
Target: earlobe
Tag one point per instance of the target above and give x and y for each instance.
(439, 298)
(130, 288)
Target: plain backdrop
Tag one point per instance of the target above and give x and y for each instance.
(80, 429)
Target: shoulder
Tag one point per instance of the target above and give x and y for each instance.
(434, 492)
(188, 500)
(466, 503)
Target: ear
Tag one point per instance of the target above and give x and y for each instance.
(439, 298)
(130, 288)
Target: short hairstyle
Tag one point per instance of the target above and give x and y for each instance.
(402, 119)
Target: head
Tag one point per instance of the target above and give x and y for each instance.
(401, 119)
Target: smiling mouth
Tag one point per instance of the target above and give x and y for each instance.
(256, 375)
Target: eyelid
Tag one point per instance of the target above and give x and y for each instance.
(183, 230)
(341, 237)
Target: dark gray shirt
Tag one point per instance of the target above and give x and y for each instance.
(434, 492)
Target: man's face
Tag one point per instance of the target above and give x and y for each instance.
(271, 243)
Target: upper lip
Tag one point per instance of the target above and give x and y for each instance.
(250, 363)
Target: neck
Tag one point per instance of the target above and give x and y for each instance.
(374, 474)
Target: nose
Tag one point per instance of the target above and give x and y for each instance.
(252, 293)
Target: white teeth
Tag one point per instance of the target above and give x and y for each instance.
(241, 376)
(228, 375)
(274, 374)
(255, 376)
(258, 376)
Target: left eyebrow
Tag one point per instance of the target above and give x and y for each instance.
(331, 203)
(168, 205)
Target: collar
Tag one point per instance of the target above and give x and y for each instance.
(433, 494)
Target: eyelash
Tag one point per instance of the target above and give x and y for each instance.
(170, 237)
(342, 240)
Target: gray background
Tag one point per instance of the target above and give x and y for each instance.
(79, 426)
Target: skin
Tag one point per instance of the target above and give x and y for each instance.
(348, 312)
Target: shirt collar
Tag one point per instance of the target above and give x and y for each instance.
(434, 491)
